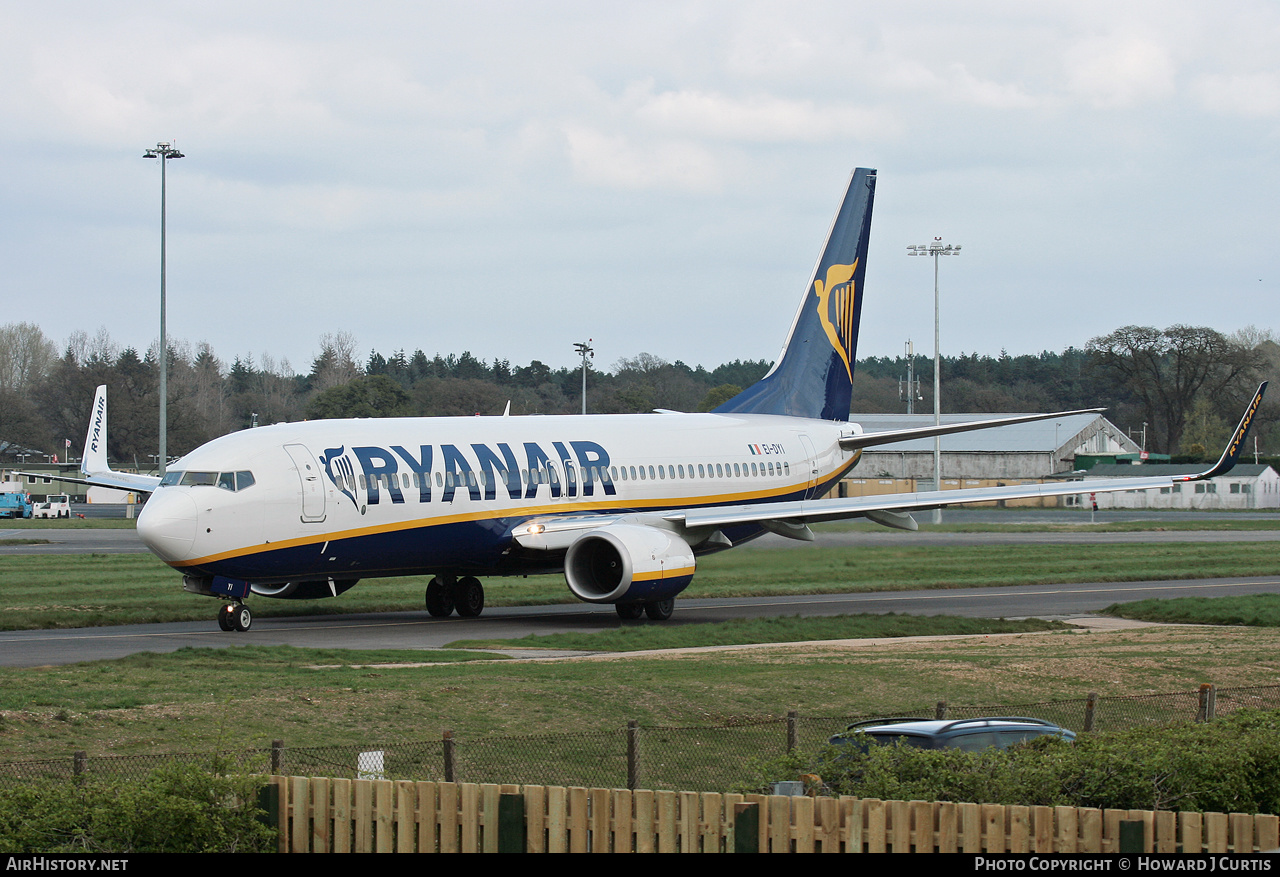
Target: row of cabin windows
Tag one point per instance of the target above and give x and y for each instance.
(595, 474)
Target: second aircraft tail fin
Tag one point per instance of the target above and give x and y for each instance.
(94, 465)
(95, 440)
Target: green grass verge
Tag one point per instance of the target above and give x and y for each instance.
(785, 629)
(72, 524)
(42, 591)
(1254, 610)
(198, 699)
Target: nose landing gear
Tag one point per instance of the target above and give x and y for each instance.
(235, 616)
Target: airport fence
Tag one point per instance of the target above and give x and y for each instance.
(685, 758)
(319, 814)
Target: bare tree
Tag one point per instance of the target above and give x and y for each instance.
(336, 365)
(26, 356)
(1165, 371)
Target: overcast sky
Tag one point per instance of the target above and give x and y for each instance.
(511, 177)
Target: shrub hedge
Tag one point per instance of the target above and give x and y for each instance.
(1231, 765)
(177, 808)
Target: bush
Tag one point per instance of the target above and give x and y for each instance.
(1229, 766)
(178, 808)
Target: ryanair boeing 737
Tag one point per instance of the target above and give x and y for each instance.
(623, 505)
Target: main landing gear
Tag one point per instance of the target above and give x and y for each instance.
(658, 610)
(445, 594)
(235, 616)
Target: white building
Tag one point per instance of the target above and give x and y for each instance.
(1247, 486)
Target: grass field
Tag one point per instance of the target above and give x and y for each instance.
(195, 699)
(246, 696)
(1255, 610)
(72, 524)
(88, 590)
(746, 631)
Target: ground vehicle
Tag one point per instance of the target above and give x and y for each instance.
(15, 505)
(56, 505)
(969, 735)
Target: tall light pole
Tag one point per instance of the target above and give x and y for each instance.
(936, 249)
(584, 350)
(164, 152)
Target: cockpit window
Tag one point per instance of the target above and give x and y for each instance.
(232, 481)
(190, 479)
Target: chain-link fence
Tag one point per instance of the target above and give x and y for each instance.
(694, 758)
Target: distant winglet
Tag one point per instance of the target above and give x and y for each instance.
(1232, 452)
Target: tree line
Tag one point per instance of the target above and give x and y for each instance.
(1184, 386)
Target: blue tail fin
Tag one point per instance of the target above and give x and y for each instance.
(813, 376)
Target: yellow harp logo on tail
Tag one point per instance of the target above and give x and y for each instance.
(837, 300)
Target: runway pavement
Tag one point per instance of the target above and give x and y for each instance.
(417, 630)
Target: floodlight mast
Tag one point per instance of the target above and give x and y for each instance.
(164, 152)
(936, 249)
(584, 349)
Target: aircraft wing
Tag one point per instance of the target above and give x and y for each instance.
(118, 480)
(791, 519)
(888, 437)
(893, 510)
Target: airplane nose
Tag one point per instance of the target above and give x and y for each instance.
(167, 524)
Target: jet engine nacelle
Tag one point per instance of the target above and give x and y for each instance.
(627, 563)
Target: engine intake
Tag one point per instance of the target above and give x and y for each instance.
(627, 563)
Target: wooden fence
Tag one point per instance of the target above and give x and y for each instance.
(344, 815)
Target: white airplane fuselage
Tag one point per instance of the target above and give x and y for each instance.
(348, 499)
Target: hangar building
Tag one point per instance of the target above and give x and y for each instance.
(1021, 451)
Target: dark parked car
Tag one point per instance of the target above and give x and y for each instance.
(967, 734)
